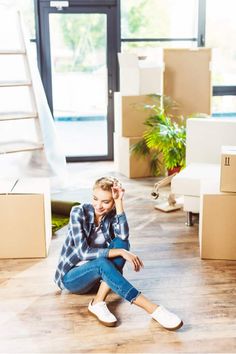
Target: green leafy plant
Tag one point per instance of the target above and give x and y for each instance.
(165, 136)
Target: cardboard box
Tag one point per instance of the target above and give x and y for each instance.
(187, 79)
(217, 226)
(128, 164)
(129, 74)
(130, 114)
(228, 169)
(25, 218)
(141, 77)
(151, 80)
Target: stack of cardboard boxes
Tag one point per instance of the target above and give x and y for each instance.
(138, 79)
(180, 73)
(217, 229)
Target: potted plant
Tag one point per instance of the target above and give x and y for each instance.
(165, 137)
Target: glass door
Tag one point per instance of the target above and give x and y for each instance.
(79, 76)
(79, 82)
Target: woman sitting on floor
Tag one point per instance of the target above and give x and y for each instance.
(95, 251)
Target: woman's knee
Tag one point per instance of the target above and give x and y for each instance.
(104, 263)
(107, 266)
(117, 242)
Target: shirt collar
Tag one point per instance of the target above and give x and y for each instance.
(92, 214)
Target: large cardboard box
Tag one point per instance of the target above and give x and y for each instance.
(217, 226)
(25, 218)
(126, 163)
(130, 114)
(228, 169)
(187, 79)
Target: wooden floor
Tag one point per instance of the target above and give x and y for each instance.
(37, 318)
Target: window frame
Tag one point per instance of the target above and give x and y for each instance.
(219, 90)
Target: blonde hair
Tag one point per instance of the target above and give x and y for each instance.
(106, 183)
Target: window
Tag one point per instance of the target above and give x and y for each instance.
(147, 24)
(220, 34)
(224, 106)
(27, 9)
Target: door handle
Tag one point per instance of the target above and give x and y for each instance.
(59, 4)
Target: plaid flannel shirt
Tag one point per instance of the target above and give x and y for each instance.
(76, 247)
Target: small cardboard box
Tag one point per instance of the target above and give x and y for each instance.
(128, 164)
(129, 74)
(130, 114)
(228, 169)
(151, 80)
(25, 218)
(217, 226)
(144, 76)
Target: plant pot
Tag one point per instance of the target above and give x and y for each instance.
(173, 170)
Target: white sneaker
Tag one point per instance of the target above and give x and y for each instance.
(102, 313)
(166, 318)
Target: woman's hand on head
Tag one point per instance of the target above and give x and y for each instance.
(117, 192)
(133, 259)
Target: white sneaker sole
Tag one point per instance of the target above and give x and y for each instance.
(107, 324)
(171, 328)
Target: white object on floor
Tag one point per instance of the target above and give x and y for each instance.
(166, 207)
(205, 137)
(171, 204)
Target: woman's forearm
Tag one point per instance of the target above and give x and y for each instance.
(115, 252)
(128, 256)
(119, 206)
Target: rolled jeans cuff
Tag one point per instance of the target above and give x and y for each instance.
(132, 295)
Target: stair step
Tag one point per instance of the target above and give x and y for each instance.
(19, 146)
(15, 83)
(12, 51)
(17, 115)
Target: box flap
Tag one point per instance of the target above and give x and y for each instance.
(24, 186)
(32, 186)
(228, 150)
(7, 185)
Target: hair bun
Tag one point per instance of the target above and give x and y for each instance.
(106, 183)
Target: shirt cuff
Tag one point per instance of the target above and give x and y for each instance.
(103, 253)
(121, 217)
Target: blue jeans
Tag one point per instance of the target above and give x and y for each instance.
(82, 279)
